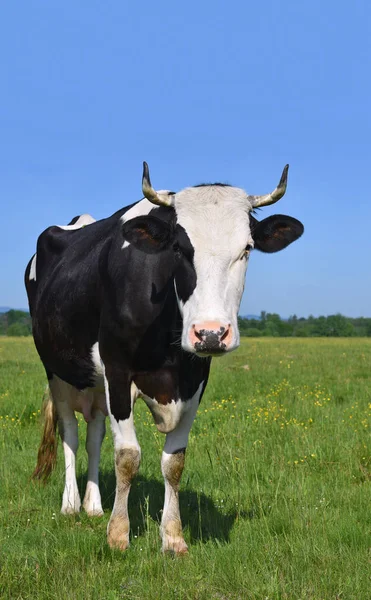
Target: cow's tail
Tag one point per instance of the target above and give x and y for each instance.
(47, 454)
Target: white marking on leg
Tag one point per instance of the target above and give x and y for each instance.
(60, 391)
(95, 434)
(172, 463)
(127, 460)
(178, 438)
(32, 274)
(124, 435)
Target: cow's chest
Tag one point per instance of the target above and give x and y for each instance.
(162, 385)
(160, 391)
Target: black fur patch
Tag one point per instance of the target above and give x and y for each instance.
(74, 220)
(210, 341)
(185, 274)
(212, 185)
(148, 234)
(275, 233)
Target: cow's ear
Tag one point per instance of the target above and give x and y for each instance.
(148, 234)
(275, 233)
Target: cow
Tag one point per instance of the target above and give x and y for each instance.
(135, 306)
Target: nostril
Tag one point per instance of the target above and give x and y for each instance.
(197, 334)
(225, 334)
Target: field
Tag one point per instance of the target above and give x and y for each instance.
(276, 493)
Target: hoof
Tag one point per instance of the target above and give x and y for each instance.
(175, 545)
(93, 507)
(70, 510)
(117, 543)
(71, 507)
(71, 503)
(94, 512)
(92, 503)
(172, 538)
(118, 533)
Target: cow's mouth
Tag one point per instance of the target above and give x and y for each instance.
(206, 349)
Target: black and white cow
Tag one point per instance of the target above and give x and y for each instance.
(136, 305)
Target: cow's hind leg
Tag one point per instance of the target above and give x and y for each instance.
(62, 394)
(127, 460)
(172, 464)
(95, 433)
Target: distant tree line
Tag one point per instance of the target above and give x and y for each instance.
(15, 323)
(271, 324)
(18, 323)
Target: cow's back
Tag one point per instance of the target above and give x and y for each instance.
(64, 292)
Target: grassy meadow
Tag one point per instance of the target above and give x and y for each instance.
(276, 493)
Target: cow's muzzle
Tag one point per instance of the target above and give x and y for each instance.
(210, 337)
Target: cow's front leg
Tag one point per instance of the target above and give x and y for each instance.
(120, 402)
(172, 464)
(171, 526)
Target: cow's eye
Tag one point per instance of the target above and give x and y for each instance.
(176, 247)
(246, 252)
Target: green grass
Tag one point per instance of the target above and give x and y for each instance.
(276, 494)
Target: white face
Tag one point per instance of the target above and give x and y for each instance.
(216, 220)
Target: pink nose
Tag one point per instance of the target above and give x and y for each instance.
(211, 336)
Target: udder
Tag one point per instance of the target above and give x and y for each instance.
(88, 402)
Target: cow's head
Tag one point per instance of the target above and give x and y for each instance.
(211, 235)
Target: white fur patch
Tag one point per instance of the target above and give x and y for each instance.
(180, 302)
(217, 222)
(178, 438)
(98, 363)
(32, 274)
(123, 431)
(82, 221)
(140, 209)
(166, 416)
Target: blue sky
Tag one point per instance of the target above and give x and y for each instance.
(203, 91)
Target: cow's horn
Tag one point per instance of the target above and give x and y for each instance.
(158, 198)
(273, 196)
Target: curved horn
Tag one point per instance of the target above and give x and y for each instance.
(158, 198)
(273, 196)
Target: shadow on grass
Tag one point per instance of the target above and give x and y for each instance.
(198, 512)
